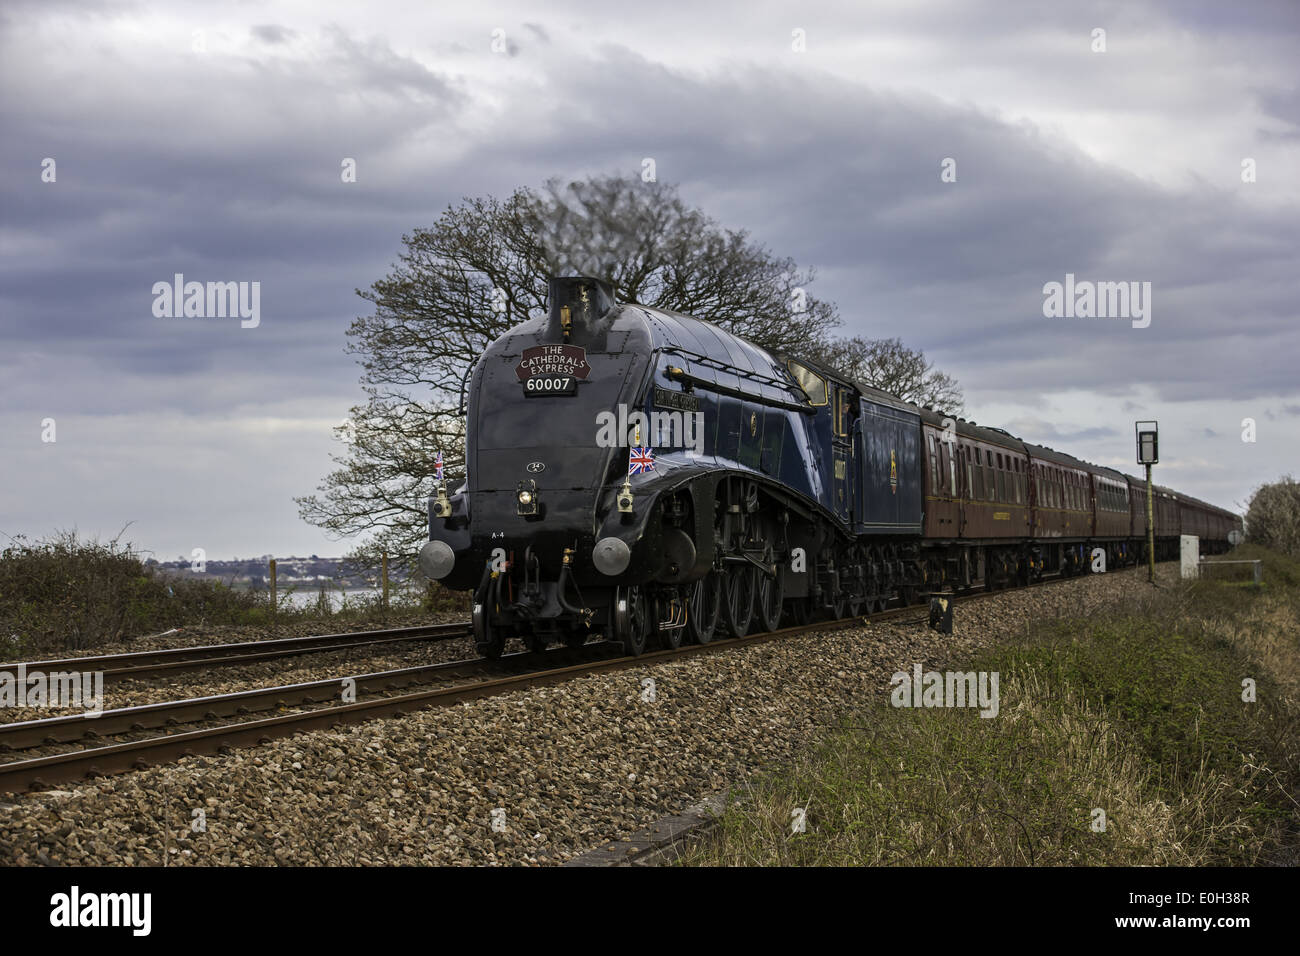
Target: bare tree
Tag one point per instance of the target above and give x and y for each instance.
(481, 269)
(889, 365)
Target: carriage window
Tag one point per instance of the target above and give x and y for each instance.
(812, 383)
(935, 474)
(952, 472)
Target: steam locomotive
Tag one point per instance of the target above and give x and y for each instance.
(640, 475)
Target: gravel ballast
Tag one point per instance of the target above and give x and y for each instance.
(228, 678)
(533, 777)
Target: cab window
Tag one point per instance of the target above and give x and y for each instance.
(842, 408)
(812, 383)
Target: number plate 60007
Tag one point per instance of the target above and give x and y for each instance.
(551, 385)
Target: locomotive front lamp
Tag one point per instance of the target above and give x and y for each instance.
(441, 504)
(527, 498)
(625, 497)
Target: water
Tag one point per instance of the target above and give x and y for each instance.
(309, 596)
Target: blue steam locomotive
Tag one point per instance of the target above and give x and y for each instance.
(638, 474)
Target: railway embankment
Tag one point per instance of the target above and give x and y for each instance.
(1163, 729)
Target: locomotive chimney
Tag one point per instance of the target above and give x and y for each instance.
(577, 304)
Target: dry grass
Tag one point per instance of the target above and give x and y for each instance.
(1139, 715)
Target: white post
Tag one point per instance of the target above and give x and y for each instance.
(1191, 555)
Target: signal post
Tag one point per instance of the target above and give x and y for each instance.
(1148, 453)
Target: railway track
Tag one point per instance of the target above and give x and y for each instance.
(172, 660)
(71, 728)
(457, 681)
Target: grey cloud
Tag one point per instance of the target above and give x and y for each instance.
(1040, 432)
(272, 33)
(229, 170)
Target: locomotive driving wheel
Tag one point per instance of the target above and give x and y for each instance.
(704, 608)
(738, 608)
(853, 587)
(670, 638)
(631, 619)
(770, 599)
(853, 606)
(840, 606)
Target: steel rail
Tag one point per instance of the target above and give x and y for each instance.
(134, 664)
(69, 728)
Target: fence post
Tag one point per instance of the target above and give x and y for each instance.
(273, 585)
(385, 576)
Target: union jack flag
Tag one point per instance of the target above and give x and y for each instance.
(640, 460)
(437, 466)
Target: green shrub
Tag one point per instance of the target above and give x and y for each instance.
(1273, 516)
(66, 594)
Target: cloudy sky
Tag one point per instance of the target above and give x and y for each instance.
(207, 140)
